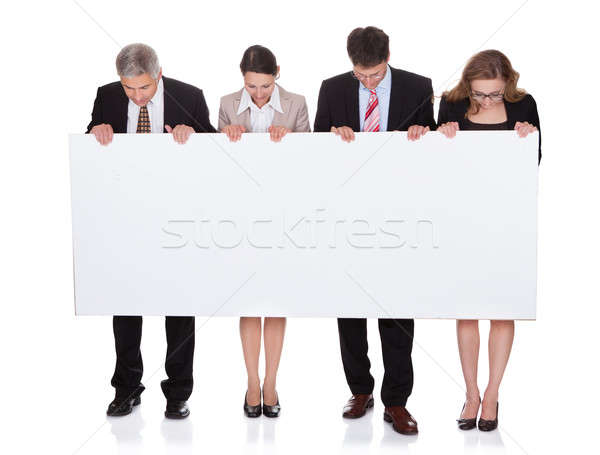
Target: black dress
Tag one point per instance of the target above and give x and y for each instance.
(468, 125)
(524, 110)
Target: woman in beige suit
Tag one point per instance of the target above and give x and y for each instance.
(262, 106)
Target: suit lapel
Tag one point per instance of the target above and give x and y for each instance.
(397, 102)
(280, 119)
(169, 105)
(352, 111)
(244, 117)
(120, 121)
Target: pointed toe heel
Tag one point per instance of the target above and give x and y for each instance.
(251, 411)
(467, 424)
(488, 425)
(272, 410)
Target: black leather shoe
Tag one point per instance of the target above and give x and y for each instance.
(251, 411)
(177, 409)
(467, 424)
(488, 425)
(272, 411)
(122, 406)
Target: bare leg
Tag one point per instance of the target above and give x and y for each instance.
(274, 332)
(500, 343)
(250, 333)
(467, 333)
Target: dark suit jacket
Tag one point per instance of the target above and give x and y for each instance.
(521, 111)
(184, 104)
(410, 102)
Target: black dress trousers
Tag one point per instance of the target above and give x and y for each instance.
(396, 345)
(178, 364)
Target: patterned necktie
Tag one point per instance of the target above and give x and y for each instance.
(143, 125)
(372, 115)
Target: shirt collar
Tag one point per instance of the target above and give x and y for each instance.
(246, 101)
(384, 85)
(158, 95)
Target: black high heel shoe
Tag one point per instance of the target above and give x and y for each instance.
(251, 411)
(488, 425)
(271, 411)
(467, 424)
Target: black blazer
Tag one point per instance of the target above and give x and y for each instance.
(521, 111)
(184, 104)
(410, 102)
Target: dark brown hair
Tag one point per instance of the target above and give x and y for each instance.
(259, 59)
(490, 64)
(368, 46)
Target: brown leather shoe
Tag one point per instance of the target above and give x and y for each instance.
(357, 405)
(401, 420)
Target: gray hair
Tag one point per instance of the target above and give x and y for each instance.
(137, 59)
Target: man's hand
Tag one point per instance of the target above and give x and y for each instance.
(103, 133)
(233, 132)
(448, 129)
(181, 133)
(345, 132)
(416, 131)
(277, 132)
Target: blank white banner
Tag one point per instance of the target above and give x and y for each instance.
(310, 226)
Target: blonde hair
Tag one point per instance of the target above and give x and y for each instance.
(489, 64)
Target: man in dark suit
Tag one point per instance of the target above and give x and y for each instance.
(144, 101)
(376, 97)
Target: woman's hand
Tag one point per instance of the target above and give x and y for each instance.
(524, 128)
(448, 129)
(233, 132)
(277, 132)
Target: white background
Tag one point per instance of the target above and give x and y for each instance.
(56, 368)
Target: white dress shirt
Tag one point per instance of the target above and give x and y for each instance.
(156, 112)
(261, 118)
(383, 91)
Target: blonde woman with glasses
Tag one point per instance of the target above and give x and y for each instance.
(486, 98)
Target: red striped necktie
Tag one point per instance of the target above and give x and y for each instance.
(372, 115)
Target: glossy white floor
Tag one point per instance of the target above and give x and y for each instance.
(59, 398)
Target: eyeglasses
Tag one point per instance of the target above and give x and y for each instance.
(494, 96)
(363, 77)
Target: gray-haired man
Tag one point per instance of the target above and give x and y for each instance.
(144, 101)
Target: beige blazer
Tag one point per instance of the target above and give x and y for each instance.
(294, 117)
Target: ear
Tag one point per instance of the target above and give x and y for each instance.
(159, 75)
(277, 76)
(388, 57)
